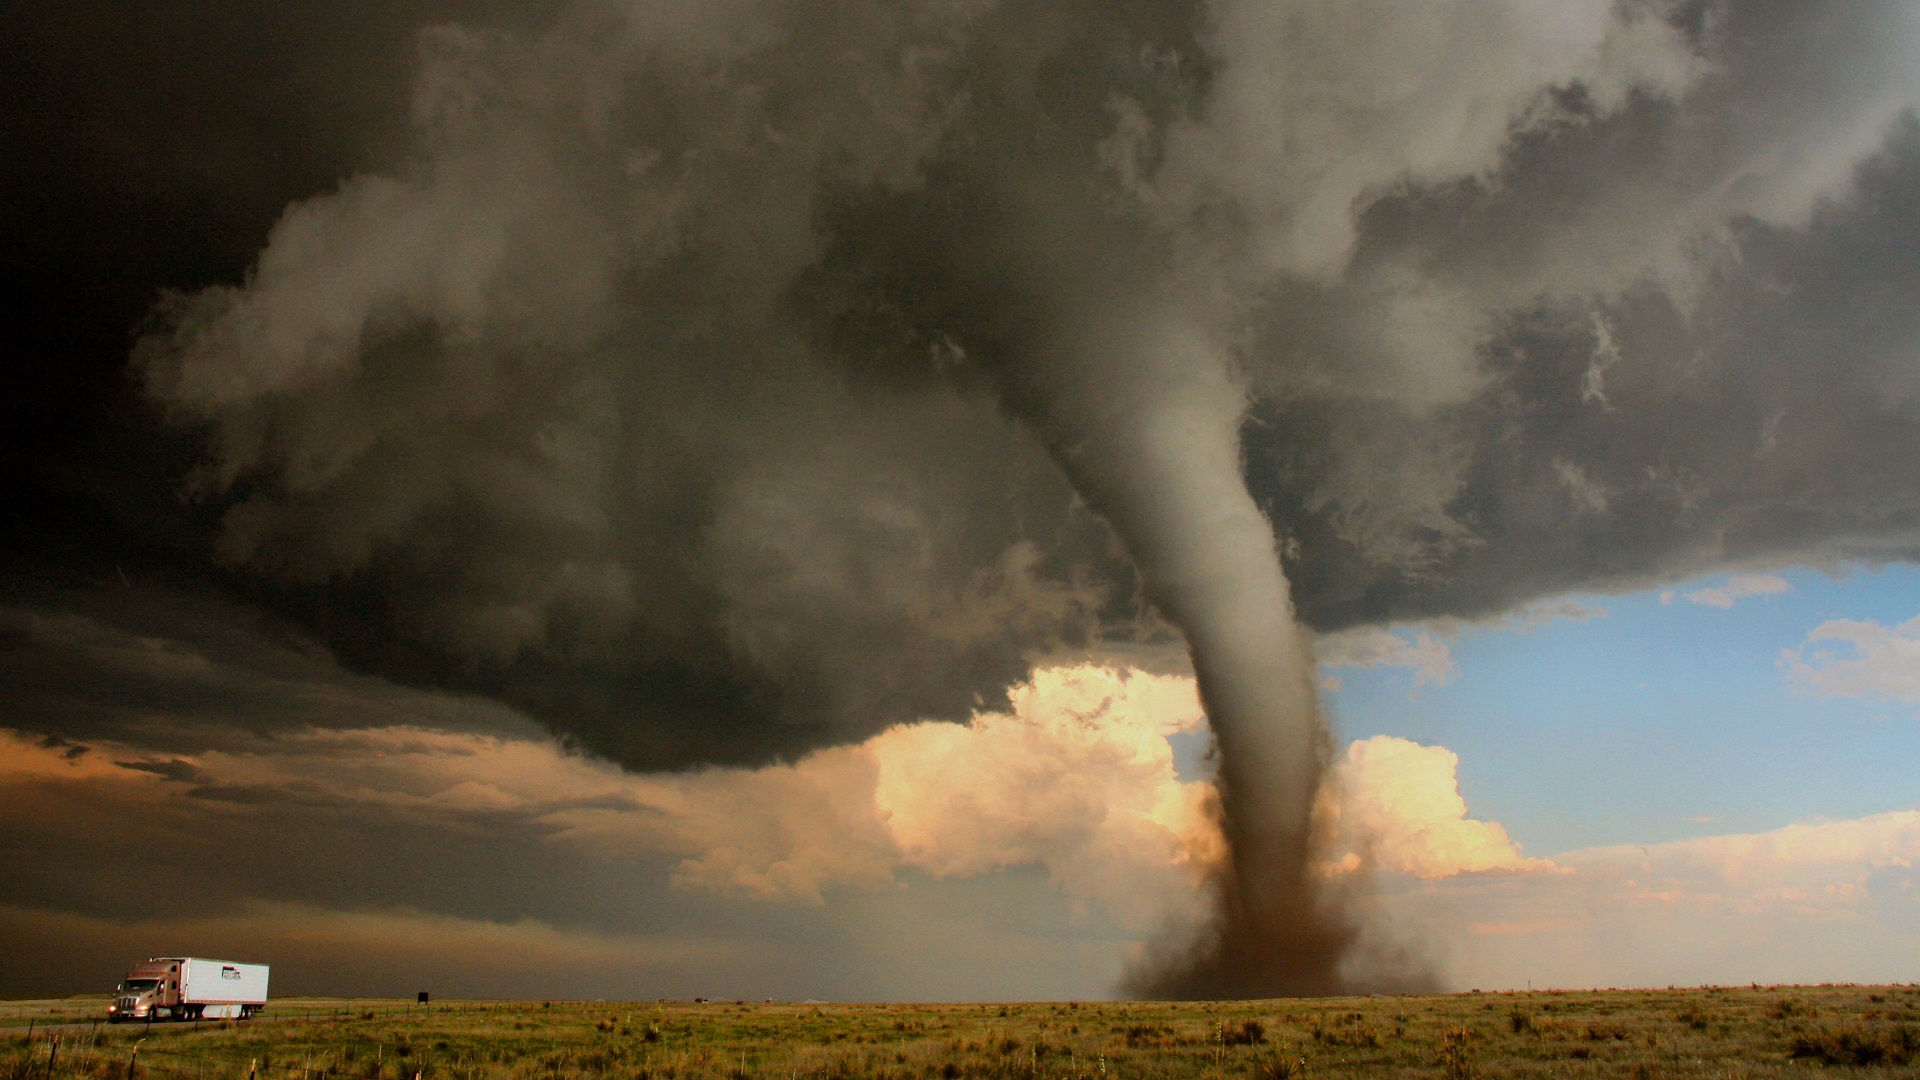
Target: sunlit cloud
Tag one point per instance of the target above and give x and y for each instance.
(1076, 777)
(1398, 803)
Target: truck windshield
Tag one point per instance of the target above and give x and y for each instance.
(139, 984)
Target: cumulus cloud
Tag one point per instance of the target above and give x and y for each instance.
(1806, 903)
(1738, 587)
(1426, 656)
(1396, 804)
(1859, 658)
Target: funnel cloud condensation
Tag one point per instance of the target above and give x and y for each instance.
(720, 380)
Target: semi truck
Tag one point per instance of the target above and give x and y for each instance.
(189, 988)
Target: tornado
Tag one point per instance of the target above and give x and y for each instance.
(1143, 413)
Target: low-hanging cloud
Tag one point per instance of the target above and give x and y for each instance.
(1074, 786)
(1077, 779)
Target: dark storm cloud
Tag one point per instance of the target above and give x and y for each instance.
(174, 672)
(175, 770)
(1638, 412)
(650, 405)
(541, 413)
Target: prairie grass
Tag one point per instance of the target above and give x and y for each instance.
(1696, 1033)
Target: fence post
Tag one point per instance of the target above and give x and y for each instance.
(253, 1066)
(53, 1054)
(133, 1059)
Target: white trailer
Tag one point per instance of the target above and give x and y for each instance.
(190, 988)
(216, 988)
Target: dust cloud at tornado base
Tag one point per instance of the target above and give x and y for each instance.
(719, 381)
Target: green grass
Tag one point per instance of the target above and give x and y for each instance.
(1714, 1032)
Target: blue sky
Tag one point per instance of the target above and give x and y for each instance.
(1658, 720)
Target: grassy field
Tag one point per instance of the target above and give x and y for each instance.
(1713, 1032)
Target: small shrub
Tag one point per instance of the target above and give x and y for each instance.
(1787, 1008)
(1522, 1022)
(1349, 1030)
(1137, 1036)
(1282, 1064)
(1456, 1054)
(1244, 1033)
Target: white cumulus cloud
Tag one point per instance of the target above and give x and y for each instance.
(1738, 587)
(1398, 803)
(1859, 658)
(1427, 656)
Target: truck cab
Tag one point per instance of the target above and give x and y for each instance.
(151, 991)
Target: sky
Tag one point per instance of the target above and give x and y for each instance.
(960, 500)
(1665, 715)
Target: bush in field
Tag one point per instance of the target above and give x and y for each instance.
(1148, 1035)
(1282, 1064)
(1787, 1008)
(1244, 1033)
(1349, 1030)
(1456, 1054)
(1895, 1045)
